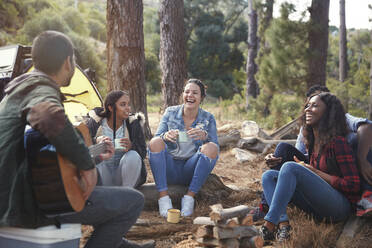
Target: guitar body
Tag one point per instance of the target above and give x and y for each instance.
(55, 180)
(70, 174)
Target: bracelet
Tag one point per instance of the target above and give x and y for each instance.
(162, 136)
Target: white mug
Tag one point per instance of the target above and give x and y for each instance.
(118, 145)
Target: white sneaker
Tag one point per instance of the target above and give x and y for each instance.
(165, 203)
(187, 205)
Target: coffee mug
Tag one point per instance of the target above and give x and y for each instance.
(182, 136)
(118, 145)
(173, 215)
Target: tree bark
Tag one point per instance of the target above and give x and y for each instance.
(252, 86)
(172, 50)
(342, 44)
(318, 42)
(125, 53)
(370, 90)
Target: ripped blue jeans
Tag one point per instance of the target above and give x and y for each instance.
(193, 171)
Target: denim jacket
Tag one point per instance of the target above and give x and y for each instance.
(172, 119)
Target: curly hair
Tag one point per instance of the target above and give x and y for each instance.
(331, 124)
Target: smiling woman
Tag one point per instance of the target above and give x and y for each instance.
(329, 186)
(184, 149)
(115, 124)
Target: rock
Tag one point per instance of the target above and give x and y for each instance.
(243, 155)
(251, 129)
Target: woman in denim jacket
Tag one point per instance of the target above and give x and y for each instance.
(184, 149)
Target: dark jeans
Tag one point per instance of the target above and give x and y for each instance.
(112, 211)
(286, 152)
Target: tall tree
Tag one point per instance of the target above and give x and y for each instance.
(318, 42)
(370, 85)
(172, 50)
(252, 86)
(342, 44)
(265, 13)
(125, 52)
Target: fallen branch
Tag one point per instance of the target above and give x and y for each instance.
(235, 232)
(253, 242)
(220, 214)
(225, 243)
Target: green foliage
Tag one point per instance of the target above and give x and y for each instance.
(75, 21)
(97, 30)
(48, 19)
(211, 58)
(152, 74)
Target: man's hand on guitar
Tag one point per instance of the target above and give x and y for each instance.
(109, 147)
(88, 181)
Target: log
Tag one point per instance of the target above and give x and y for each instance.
(233, 222)
(235, 232)
(289, 130)
(352, 226)
(144, 222)
(253, 242)
(224, 243)
(213, 189)
(203, 221)
(230, 139)
(260, 145)
(204, 231)
(207, 221)
(220, 214)
(247, 220)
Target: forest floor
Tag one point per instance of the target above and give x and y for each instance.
(246, 180)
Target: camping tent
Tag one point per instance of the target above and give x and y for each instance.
(82, 95)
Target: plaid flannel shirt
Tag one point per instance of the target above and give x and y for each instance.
(348, 180)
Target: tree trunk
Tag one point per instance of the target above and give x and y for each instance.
(172, 50)
(267, 16)
(252, 86)
(125, 53)
(370, 90)
(318, 42)
(342, 44)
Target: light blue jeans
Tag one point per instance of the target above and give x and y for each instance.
(306, 190)
(193, 171)
(123, 169)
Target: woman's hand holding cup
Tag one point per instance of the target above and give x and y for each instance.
(171, 135)
(123, 144)
(197, 134)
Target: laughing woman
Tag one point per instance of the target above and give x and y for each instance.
(126, 167)
(329, 186)
(184, 149)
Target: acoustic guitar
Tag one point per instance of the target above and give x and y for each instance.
(56, 180)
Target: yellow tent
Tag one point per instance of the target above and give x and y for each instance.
(81, 96)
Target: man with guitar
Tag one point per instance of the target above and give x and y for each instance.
(35, 98)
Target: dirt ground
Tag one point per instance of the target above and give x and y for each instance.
(246, 180)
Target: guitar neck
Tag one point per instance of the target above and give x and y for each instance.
(97, 149)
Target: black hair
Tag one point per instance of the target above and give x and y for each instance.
(317, 88)
(110, 100)
(331, 124)
(50, 50)
(200, 84)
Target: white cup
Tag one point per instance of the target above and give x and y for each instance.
(118, 145)
(182, 136)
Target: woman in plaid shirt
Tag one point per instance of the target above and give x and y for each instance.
(329, 186)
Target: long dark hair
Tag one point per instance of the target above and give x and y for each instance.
(331, 124)
(110, 100)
